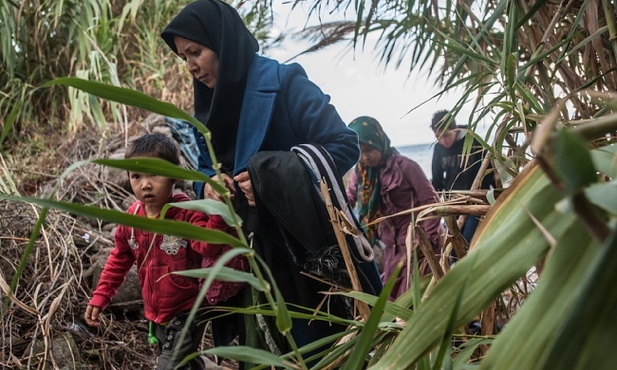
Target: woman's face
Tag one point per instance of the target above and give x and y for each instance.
(203, 63)
(369, 155)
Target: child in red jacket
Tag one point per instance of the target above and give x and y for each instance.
(167, 297)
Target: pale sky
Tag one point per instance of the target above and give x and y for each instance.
(358, 85)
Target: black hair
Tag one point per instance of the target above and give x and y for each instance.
(154, 146)
(442, 120)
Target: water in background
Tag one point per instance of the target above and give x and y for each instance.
(421, 154)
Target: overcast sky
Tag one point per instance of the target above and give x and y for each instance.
(358, 85)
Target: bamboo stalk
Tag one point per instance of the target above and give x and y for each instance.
(429, 253)
(442, 209)
(476, 193)
(475, 210)
(342, 241)
(459, 244)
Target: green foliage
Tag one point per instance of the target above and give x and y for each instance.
(112, 42)
(513, 60)
(46, 40)
(585, 339)
(573, 162)
(524, 227)
(365, 341)
(158, 225)
(276, 306)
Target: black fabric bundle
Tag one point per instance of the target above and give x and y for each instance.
(294, 219)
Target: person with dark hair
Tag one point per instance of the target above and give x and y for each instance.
(257, 110)
(168, 297)
(385, 183)
(452, 168)
(248, 102)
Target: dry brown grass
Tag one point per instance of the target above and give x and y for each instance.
(54, 288)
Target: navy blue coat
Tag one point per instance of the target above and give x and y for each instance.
(283, 108)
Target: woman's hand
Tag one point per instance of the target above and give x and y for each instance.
(210, 193)
(244, 183)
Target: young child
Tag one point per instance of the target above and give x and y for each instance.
(167, 297)
(384, 183)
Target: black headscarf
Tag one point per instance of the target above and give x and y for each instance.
(218, 26)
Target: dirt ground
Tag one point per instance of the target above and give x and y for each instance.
(55, 277)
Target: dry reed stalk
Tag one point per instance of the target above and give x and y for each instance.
(429, 253)
(456, 239)
(4, 286)
(487, 322)
(469, 210)
(49, 300)
(438, 209)
(339, 224)
(338, 227)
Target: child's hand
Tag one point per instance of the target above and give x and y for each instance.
(92, 315)
(244, 183)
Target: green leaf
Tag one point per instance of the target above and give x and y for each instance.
(283, 319)
(9, 120)
(587, 335)
(536, 323)
(157, 166)
(573, 161)
(445, 346)
(210, 207)
(126, 96)
(468, 349)
(364, 344)
(248, 354)
(510, 74)
(166, 227)
(215, 271)
(329, 355)
(392, 310)
(605, 160)
(224, 274)
(604, 196)
(506, 245)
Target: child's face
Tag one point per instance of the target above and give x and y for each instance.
(370, 156)
(153, 190)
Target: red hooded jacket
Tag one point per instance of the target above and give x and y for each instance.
(156, 256)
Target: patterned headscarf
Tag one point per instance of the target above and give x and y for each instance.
(217, 26)
(369, 189)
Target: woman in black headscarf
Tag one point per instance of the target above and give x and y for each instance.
(248, 102)
(254, 104)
